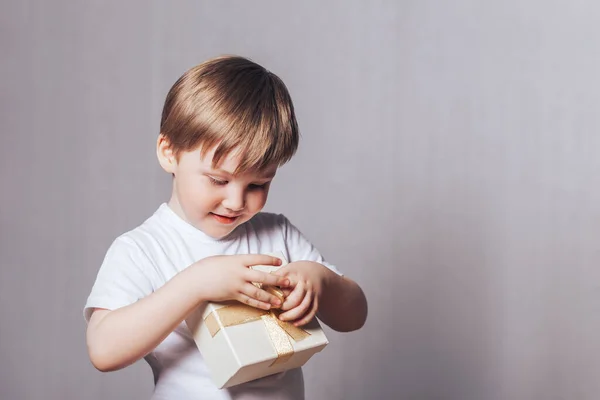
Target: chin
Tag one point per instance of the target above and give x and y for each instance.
(220, 233)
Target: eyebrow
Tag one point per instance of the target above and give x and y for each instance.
(222, 171)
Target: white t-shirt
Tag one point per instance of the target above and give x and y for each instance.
(144, 259)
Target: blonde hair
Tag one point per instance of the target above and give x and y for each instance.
(236, 105)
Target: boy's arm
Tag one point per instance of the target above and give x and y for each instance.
(342, 304)
(118, 338)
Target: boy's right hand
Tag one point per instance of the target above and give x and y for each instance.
(225, 278)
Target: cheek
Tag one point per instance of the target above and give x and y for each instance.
(188, 190)
(256, 201)
(198, 195)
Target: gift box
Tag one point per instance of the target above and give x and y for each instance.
(240, 343)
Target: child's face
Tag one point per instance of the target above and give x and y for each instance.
(214, 200)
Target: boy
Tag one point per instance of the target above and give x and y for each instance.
(227, 125)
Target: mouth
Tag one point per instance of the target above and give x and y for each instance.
(224, 219)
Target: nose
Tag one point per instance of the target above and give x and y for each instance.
(235, 199)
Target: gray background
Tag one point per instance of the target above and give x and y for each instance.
(448, 163)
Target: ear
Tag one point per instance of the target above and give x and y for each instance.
(166, 158)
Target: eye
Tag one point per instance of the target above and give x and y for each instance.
(217, 182)
(256, 186)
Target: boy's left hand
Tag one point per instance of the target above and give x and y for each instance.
(307, 279)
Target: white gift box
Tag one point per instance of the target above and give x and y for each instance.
(240, 343)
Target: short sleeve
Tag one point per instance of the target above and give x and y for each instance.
(299, 247)
(122, 279)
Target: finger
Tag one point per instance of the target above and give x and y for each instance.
(299, 311)
(261, 295)
(295, 297)
(243, 298)
(283, 270)
(259, 259)
(311, 314)
(266, 278)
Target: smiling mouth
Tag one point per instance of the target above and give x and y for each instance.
(224, 219)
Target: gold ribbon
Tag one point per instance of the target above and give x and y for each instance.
(279, 331)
